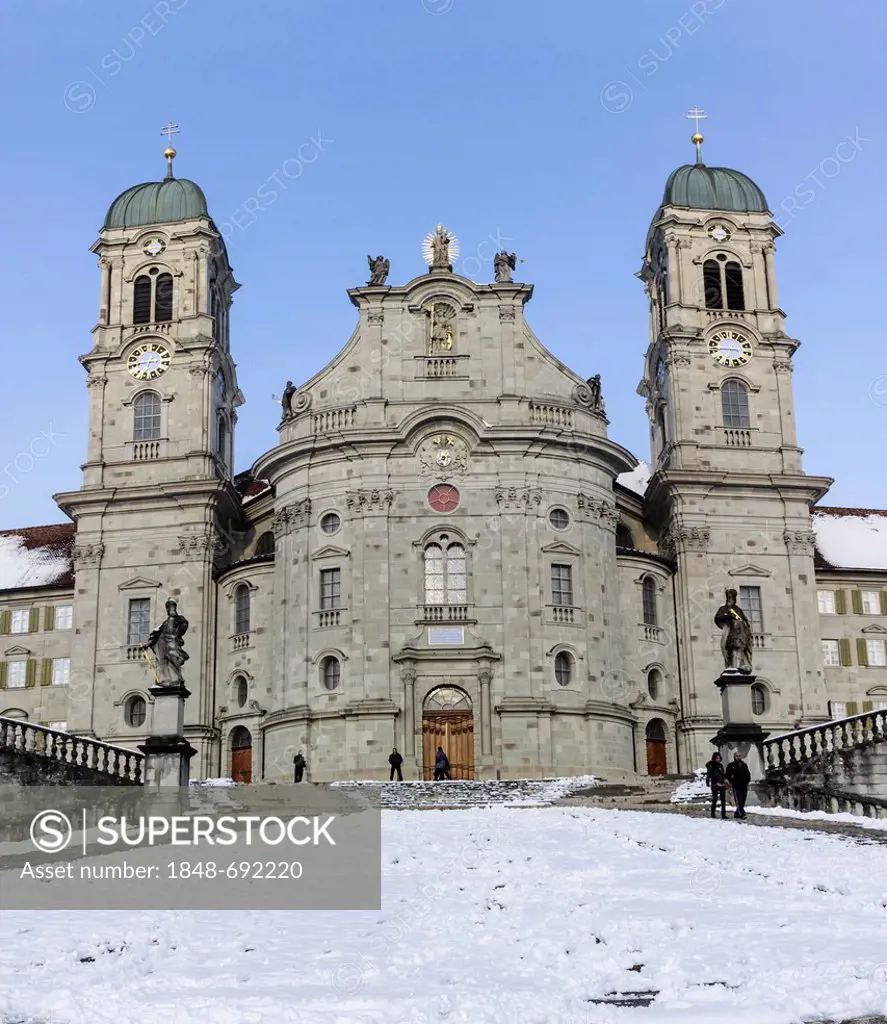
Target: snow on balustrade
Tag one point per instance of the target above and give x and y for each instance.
(123, 765)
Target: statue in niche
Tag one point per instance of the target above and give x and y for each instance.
(736, 636)
(442, 320)
(379, 268)
(168, 644)
(504, 263)
(287, 400)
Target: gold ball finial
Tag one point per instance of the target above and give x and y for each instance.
(697, 138)
(169, 153)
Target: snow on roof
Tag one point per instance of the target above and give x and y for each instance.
(636, 480)
(37, 556)
(851, 538)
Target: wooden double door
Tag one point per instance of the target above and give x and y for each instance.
(454, 732)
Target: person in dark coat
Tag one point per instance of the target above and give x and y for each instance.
(716, 777)
(299, 766)
(739, 778)
(441, 765)
(395, 760)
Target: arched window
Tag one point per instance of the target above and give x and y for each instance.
(648, 593)
(563, 668)
(141, 300)
(136, 712)
(330, 673)
(722, 280)
(623, 536)
(758, 699)
(734, 403)
(241, 609)
(660, 420)
(241, 690)
(711, 282)
(163, 299)
(266, 544)
(222, 438)
(146, 416)
(446, 579)
(654, 684)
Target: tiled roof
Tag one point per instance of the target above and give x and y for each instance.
(37, 556)
(850, 538)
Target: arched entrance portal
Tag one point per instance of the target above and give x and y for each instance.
(448, 722)
(656, 760)
(241, 755)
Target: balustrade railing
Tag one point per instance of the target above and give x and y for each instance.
(122, 765)
(551, 416)
(445, 612)
(806, 745)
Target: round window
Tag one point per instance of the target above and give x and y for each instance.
(443, 498)
(654, 684)
(330, 673)
(758, 700)
(330, 522)
(136, 712)
(559, 518)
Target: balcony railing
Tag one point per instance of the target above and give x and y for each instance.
(736, 437)
(241, 640)
(144, 450)
(445, 612)
(564, 614)
(759, 641)
(551, 416)
(329, 617)
(653, 634)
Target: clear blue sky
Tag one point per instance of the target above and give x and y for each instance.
(488, 115)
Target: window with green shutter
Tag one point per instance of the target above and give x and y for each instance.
(34, 620)
(46, 672)
(856, 598)
(31, 672)
(2, 675)
(840, 602)
(862, 652)
(49, 617)
(852, 708)
(884, 602)
(844, 648)
(5, 620)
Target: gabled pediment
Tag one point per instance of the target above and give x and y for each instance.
(873, 628)
(561, 547)
(331, 551)
(16, 651)
(749, 570)
(138, 583)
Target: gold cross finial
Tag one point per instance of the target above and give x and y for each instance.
(169, 130)
(697, 114)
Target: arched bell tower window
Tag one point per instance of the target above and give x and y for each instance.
(722, 284)
(152, 298)
(242, 599)
(446, 579)
(146, 416)
(648, 592)
(734, 404)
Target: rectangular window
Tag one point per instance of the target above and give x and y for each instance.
(877, 652)
(21, 620)
(831, 653)
(750, 603)
(139, 626)
(61, 671)
(871, 602)
(64, 616)
(330, 589)
(562, 585)
(826, 600)
(16, 673)
(60, 726)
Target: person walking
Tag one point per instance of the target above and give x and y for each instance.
(299, 766)
(441, 765)
(716, 777)
(395, 760)
(739, 778)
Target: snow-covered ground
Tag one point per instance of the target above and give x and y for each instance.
(498, 916)
(873, 824)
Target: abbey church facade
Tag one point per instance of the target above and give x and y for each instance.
(444, 547)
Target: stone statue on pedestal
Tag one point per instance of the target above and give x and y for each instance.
(168, 644)
(503, 263)
(287, 399)
(736, 636)
(379, 268)
(440, 248)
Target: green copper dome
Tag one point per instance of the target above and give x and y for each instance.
(157, 202)
(713, 188)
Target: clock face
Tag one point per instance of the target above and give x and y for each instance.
(719, 233)
(730, 348)
(154, 247)
(148, 361)
(443, 498)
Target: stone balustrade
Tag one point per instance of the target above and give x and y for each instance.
(79, 757)
(806, 745)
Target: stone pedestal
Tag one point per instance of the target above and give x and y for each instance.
(167, 753)
(739, 732)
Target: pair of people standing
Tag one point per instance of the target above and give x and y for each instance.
(736, 776)
(441, 766)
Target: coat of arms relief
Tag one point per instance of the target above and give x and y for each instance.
(443, 456)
